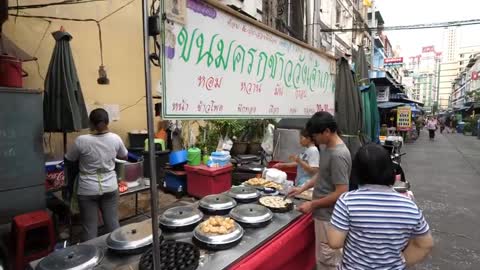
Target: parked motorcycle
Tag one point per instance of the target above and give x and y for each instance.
(401, 184)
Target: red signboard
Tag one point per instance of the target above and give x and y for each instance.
(428, 49)
(474, 75)
(394, 60)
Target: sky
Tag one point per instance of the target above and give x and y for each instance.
(407, 12)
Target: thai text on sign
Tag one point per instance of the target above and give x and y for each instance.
(404, 118)
(220, 66)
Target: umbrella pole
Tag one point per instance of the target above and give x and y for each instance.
(64, 143)
(151, 146)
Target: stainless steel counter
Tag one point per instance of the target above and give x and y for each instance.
(209, 260)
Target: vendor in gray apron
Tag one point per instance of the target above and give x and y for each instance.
(96, 187)
(307, 162)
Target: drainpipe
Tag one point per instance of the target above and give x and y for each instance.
(309, 18)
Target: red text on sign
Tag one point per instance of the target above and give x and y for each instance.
(209, 83)
(250, 88)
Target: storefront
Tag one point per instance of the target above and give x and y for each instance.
(235, 78)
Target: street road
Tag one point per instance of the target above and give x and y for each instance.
(445, 177)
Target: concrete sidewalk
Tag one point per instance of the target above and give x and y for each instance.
(445, 177)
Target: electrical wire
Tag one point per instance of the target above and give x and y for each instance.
(66, 2)
(130, 106)
(42, 39)
(100, 42)
(38, 70)
(407, 27)
(77, 20)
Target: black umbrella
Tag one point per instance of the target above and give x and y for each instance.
(63, 104)
(348, 110)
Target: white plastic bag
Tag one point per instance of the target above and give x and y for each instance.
(267, 143)
(227, 144)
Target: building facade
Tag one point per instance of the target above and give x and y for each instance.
(251, 8)
(466, 84)
(425, 70)
(454, 78)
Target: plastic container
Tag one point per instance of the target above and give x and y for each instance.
(220, 158)
(55, 177)
(137, 139)
(178, 157)
(194, 156)
(460, 127)
(175, 182)
(203, 181)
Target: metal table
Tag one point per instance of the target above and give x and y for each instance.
(209, 260)
(135, 190)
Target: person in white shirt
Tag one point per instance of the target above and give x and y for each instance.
(432, 127)
(307, 162)
(97, 186)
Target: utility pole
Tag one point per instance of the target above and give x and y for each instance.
(438, 84)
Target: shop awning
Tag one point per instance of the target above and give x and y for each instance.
(389, 105)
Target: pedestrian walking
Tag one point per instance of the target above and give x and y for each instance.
(328, 184)
(453, 122)
(419, 123)
(377, 227)
(448, 124)
(442, 124)
(432, 127)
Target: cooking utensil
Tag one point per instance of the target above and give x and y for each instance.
(131, 239)
(213, 241)
(217, 204)
(173, 255)
(128, 171)
(269, 192)
(244, 194)
(288, 207)
(78, 257)
(251, 215)
(180, 219)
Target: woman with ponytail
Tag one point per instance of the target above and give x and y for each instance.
(97, 187)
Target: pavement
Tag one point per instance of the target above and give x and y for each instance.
(445, 177)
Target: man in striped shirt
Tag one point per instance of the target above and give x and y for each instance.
(377, 227)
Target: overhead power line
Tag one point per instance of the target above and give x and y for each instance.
(66, 2)
(408, 27)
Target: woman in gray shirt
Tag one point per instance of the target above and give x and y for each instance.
(97, 186)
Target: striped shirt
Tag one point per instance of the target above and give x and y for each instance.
(379, 222)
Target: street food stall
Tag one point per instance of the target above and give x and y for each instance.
(240, 69)
(287, 235)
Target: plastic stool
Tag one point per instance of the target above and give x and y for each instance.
(24, 228)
